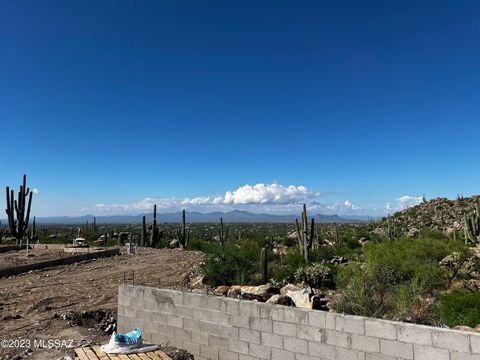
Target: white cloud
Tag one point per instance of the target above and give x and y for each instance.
(407, 201)
(35, 191)
(269, 194)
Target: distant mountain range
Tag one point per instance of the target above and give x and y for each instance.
(235, 216)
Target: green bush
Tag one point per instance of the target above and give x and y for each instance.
(316, 275)
(395, 279)
(457, 308)
(232, 263)
(285, 273)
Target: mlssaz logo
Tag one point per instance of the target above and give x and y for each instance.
(52, 343)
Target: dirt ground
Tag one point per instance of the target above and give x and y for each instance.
(52, 304)
(17, 258)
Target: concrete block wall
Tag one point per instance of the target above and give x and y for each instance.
(220, 328)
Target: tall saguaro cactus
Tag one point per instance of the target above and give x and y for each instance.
(305, 235)
(18, 211)
(222, 233)
(472, 225)
(143, 236)
(264, 265)
(154, 235)
(183, 234)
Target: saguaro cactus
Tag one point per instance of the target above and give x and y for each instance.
(304, 235)
(472, 226)
(222, 233)
(183, 234)
(154, 234)
(264, 265)
(143, 235)
(18, 211)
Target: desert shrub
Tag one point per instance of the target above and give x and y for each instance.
(232, 263)
(316, 275)
(285, 272)
(459, 308)
(396, 279)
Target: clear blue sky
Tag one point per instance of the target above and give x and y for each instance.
(110, 102)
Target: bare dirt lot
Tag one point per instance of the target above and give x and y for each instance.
(69, 302)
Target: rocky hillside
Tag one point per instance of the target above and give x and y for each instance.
(439, 214)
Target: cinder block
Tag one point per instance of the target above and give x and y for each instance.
(248, 335)
(246, 357)
(161, 295)
(124, 300)
(238, 346)
(191, 324)
(200, 337)
(191, 347)
(309, 333)
(317, 318)
(337, 338)
(159, 339)
(271, 312)
(249, 308)
(295, 316)
(227, 355)
(379, 357)
(330, 321)
(421, 352)
(228, 332)
(365, 343)
(396, 348)
(211, 328)
(259, 351)
(158, 317)
(475, 343)
(286, 329)
(380, 329)
(451, 340)
(219, 342)
(148, 305)
(298, 346)
(183, 334)
(239, 321)
(350, 324)
(184, 311)
(278, 354)
(414, 334)
(195, 300)
(272, 340)
(347, 354)
(209, 352)
(131, 313)
(462, 356)
(210, 315)
(306, 357)
(229, 306)
(174, 321)
(262, 325)
(323, 351)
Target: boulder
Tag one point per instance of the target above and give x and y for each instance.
(221, 290)
(175, 243)
(259, 293)
(197, 282)
(280, 300)
(235, 292)
(301, 298)
(289, 287)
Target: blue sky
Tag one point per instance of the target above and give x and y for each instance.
(109, 106)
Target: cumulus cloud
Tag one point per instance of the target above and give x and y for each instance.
(407, 201)
(269, 194)
(35, 191)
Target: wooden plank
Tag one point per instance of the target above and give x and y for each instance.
(153, 356)
(101, 355)
(163, 355)
(134, 357)
(81, 354)
(123, 357)
(144, 357)
(90, 354)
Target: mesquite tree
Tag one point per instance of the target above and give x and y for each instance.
(18, 211)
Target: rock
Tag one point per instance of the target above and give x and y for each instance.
(221, 290)
(280, 300)
(320, 302)
(260, 293)
(197, 282)
(235, 292)
(289, 287)
(301, 298)
(174, 243)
